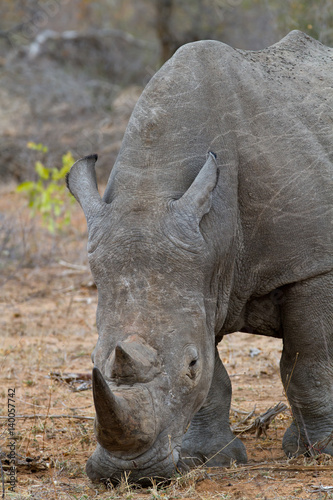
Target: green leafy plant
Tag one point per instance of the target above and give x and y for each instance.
(48, 196)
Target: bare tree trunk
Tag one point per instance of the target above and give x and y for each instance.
(163, 28)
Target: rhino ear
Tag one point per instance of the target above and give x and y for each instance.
(197, 200)
(81, 182)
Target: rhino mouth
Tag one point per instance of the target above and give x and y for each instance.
(102, 466)
(132, 441)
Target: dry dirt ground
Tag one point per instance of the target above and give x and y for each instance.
(48, 325)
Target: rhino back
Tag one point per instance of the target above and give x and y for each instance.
(268, 117)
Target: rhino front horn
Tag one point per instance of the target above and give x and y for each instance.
(124, 422)
(82, 183)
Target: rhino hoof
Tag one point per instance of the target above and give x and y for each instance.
(294, 445)
(222, 457)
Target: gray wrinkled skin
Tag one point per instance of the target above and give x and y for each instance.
(186, 248)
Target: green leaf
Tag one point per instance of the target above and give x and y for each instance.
(25, 186)
(57, 210)
(42, 171)
(37, 147)
(67, 162)
(50, 224)
(67, 218)
(51, 189)
(55, 174)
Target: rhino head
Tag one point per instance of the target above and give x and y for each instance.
(154, 359)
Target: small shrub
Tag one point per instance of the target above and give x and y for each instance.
(48, 196)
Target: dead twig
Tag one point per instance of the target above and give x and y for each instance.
(261, 423)
(84, 379)
(237, 428)
(321, 489)
(33, 464)
(241, 412)
(70, 377)
(320, 446)
(277, 468)
(74, 267)
(85, 386)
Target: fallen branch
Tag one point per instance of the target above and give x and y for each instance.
(237, 428)
(84, 379)
(236, 410)
(261, 423)
(32, 464)
(74, 267)
(70, 377)
(321, 489)
(279, 467)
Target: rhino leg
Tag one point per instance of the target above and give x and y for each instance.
(307, 365)
(209, 438)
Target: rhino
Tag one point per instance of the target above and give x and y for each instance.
(217, 217)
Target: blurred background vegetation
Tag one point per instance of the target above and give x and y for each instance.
(72, 70)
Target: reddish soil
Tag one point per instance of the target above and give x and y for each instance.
(48, 325)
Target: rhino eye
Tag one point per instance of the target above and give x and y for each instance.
(193, 363)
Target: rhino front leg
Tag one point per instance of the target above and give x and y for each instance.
(209, 437)
(307, 365)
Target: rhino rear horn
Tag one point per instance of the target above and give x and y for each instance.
(82, 183)
(197, 200)
(134, 361)
(124, 423)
